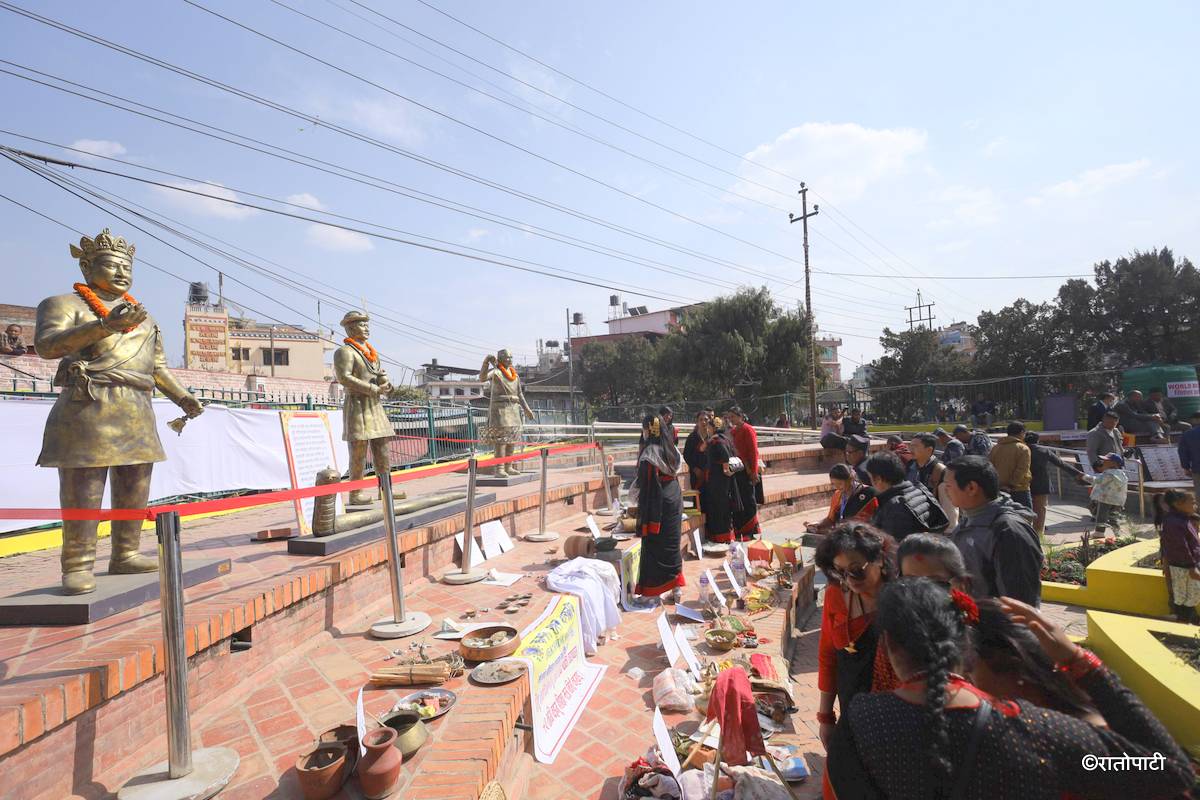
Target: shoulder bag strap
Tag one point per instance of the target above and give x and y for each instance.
(966, 766)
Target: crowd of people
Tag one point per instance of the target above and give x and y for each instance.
(939, 675)
(949, 679)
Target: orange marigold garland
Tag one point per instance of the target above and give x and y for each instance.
(97, 305)
(507, 371)
(364, 347)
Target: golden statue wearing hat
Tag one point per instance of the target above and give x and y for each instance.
(506, 404)
(364, 421)
(102, 422)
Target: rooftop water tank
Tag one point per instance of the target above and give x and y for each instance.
(1177, 381)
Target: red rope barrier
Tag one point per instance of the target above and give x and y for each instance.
(265, 498)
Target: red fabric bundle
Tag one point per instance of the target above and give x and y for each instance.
(764, 667)
(732, 705)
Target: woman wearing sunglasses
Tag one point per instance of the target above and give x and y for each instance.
(858, 559)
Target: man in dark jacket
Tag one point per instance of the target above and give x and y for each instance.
(1098, 409)
(904, 507)
(854, 425)
(1041, 459)
(1158, 403)
(1135, 420)
(1189, 451)
(998, 544)
(857, 449)
(952, 448)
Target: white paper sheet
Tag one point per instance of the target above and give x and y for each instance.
(685, 648)
(593, 527)
(712, 582)
(477, 556)
(666, 750)
(699, 544)
(497, 578)
(667, 637)
(360, 722)
(689, 613)
(495, 538)
(737, 587)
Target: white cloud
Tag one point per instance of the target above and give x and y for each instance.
(1091, 182)
(475, 234)
(205, 206)
(971, 124)
(953, 247)
(307, 200)
(966, 205)
(994, 147)
(842, 159)
(387, 119)
(338, 240)
(99, 147)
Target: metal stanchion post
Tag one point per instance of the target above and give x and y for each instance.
(607, 511)
(185, 774)
(542, 534)
(401, 623)
(466, 574)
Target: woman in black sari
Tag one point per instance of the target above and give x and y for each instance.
(696, 456)
(718, 484)
(660, 514)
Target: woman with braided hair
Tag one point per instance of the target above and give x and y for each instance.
(937, 735)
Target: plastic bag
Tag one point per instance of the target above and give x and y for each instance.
(673, 690)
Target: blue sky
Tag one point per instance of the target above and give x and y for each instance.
(946, 139)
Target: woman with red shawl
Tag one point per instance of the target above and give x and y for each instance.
(745, 480)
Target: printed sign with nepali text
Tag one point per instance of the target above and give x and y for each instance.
(631, 565)
(308, 441)
(560, 681)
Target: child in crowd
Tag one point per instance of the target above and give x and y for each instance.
(1110, 487)
(1181, 553)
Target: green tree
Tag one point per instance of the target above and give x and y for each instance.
(1148, 307)
(1018, 338)
(1076, 328)
(786, 355)
(618, 373)
(911, 359)
(720, 348)
(408, 394)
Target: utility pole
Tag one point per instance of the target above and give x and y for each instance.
(923, 318)
(570, 368)
(812, 324)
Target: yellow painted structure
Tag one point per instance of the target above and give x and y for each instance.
(1115, 584)
(1169, 687)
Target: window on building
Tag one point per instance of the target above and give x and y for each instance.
(281, 357)
(444, 391)
(241, 353)
(459, 392)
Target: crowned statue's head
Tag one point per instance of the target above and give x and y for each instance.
(357, 325)
(504, 356)
(106, 263)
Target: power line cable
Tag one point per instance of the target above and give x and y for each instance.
(545, 116)
(141, 260)
(495, 137)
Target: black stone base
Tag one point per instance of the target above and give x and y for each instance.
(114, 594)
(336, 543)
(507, 480)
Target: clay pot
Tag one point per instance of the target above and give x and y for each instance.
(322, 771)
(581, 545)
(379, 770)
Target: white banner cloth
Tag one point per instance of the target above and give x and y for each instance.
(221, 450)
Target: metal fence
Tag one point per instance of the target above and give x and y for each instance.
(1014, 397)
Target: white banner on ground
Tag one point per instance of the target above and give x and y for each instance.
(221, 450)
(560, 681)
(667, 637)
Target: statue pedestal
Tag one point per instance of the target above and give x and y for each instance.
(507, 480)
(114, 594)
(337, 542)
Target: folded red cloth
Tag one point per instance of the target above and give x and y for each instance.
(763, 666)
(732, 705)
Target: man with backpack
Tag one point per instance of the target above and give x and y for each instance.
(904, 507)
(999, 545)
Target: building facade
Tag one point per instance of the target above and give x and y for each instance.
(827, 356)
(957, 335)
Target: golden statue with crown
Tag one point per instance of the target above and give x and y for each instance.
(102, 423)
